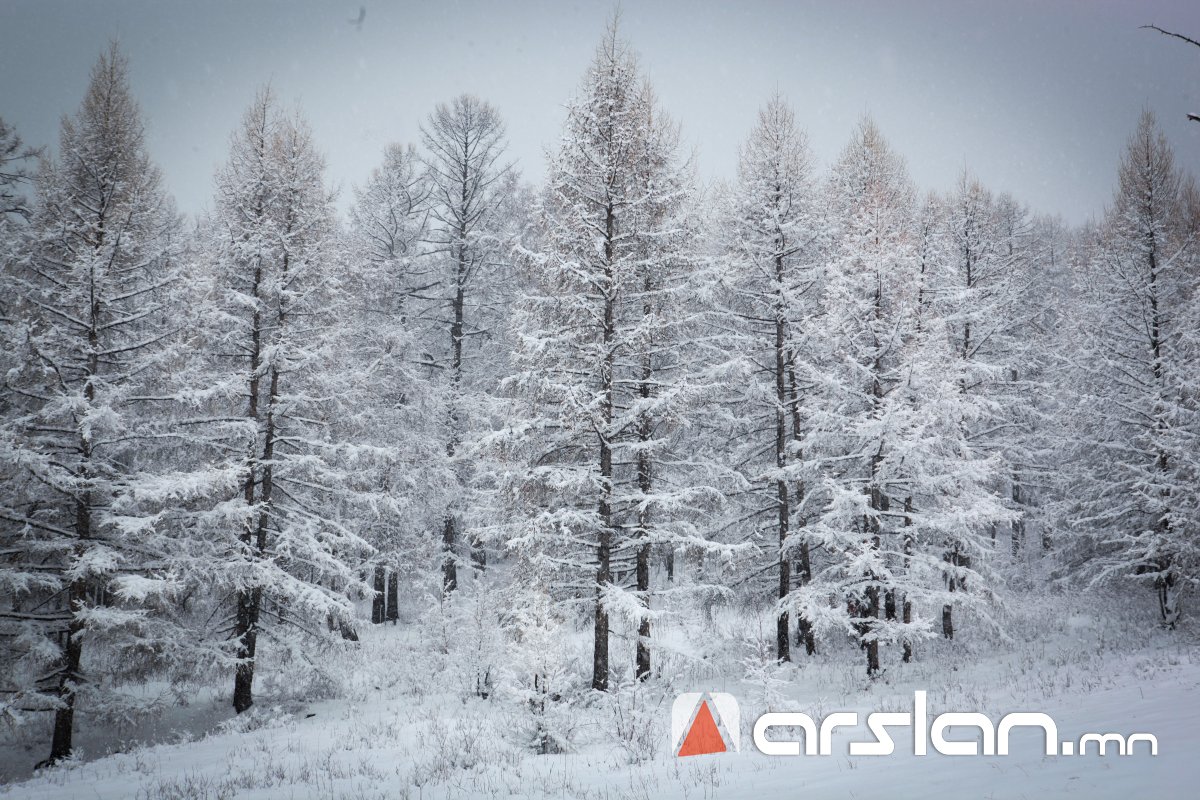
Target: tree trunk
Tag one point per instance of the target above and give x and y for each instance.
(907, 618)
(1018, 526)
(250, 603)
(246, 634)
(872, 635)
(449, 565)
(643, 557)
(378, 599)
(804, 628)
(906, 606)
(245, 630)
(783, 625)
(948, 609)
(953, 583)
(393, 597)
(72, 657)
(803, 625)
(603, 574)
(645, 474)
(643, 588)
(69, 677)
(605, 534)
(1168, 600)
(879, 502)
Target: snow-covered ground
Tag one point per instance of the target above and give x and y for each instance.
(399, 732)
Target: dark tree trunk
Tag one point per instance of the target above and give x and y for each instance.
(880, 502)
(643, 563)
(72, 658)
(1018, 526)
(954, 583)
(246, 633)
(645, 474)
(783, 624)
(1168, 600)
(804, 628)
(378, 599)
(250, 602)
(605, 534)
(449, 565)
(907, 618)
(906, 606)
(872, 636)
(643, 584)
(69, 677)
(803, 625)
(603, 575)
(948, 609)
(393, 597)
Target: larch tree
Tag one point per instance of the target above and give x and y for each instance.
(464, 147)
(87, 567)
(671, 483)
(1132, 503)
(769, 293)
(898, 485)
(869, 297)
(985, 296)
(283, 546)
(598, 358)
(16, 173)
(390, 287)
(16, 179)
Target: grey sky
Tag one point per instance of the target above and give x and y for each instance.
(1035, 97)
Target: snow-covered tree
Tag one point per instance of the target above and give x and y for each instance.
(598, 363)
(86, 562)
(671, 484)
(990, 297)
(899, 487)
(16, 179)
(286, 546)
(768, 292)
(389, 288)
(469, 183)
(16, 173)
(1133, 500)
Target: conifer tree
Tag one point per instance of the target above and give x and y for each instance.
(1133, 500)
(88, 566)
(769, 298)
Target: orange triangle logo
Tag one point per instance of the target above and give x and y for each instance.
(703, 737)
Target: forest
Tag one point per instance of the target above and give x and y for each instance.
(570, 447)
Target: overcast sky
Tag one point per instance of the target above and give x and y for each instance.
(1037, 98)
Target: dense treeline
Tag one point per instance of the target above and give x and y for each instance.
(616, 396)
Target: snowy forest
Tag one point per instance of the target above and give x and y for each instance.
(544, 454)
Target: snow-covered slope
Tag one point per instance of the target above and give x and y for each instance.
(398, 733)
